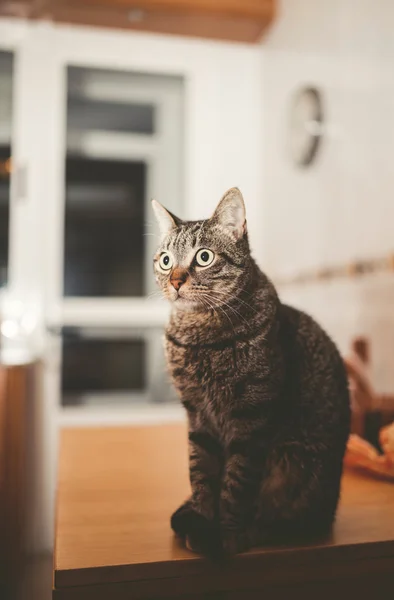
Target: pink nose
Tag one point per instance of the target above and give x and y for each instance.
(177, 283)
(178, 278)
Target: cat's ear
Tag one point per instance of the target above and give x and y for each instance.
(166, 220)
(230, 214)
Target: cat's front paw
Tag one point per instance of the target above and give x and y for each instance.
(180, 518)
(200, 534)
(234, 542)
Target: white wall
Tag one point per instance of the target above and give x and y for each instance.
(341, 208)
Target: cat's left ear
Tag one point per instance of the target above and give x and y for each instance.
(166, 220)
(230, 214)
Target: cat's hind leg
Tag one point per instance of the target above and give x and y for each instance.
(299, 493)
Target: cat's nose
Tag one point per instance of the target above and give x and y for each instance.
(178, 278)
(177, 283)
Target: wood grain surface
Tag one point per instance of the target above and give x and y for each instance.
(117, 489)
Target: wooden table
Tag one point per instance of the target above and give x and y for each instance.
(117, 489)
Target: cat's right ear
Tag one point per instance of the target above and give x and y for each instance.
(166, 220)
(230, 214)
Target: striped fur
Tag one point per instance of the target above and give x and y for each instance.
(264, 388)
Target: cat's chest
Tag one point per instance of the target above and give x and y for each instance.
(204, 375)
(204, 364)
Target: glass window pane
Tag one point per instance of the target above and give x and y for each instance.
(6, 69)
(85, 114)
(123, 145)
(110, 367)
(104, 228)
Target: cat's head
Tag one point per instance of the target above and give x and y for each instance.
(201, 264)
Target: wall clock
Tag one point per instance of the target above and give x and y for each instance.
(306, 126)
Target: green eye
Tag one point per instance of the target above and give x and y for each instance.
(165, 261)
(204, 257)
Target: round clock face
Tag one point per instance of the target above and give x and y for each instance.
(306, 125)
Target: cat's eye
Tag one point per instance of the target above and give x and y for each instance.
(165, 261)
(204, 257)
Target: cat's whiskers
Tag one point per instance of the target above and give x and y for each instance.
(237, 299)
(155, 293)
(212, 308)
(212, 297)
(208, 299)
(236, 313)
(208, 305)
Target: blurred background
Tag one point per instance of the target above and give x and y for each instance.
(105, 104)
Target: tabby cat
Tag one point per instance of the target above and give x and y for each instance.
(264, 388)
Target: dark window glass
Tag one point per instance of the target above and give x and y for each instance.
(98, 365)
(85, 114)
(104, 227)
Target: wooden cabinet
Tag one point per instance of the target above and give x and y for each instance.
(16, 390)
(235, 20)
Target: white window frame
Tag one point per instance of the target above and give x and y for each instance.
(161, 152)
(153, 150)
